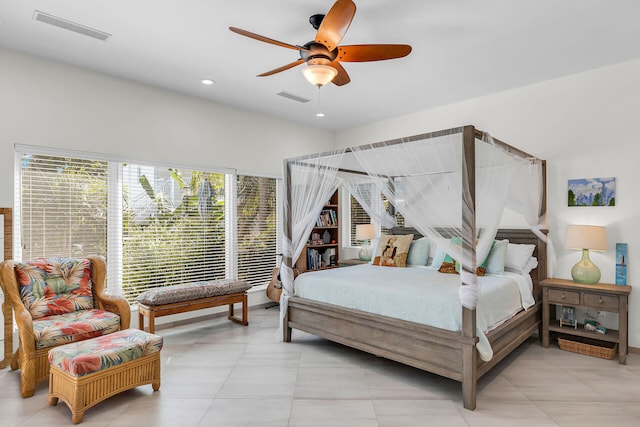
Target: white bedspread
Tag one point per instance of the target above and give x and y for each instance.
(419, 294)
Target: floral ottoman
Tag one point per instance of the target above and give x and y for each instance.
(87, 372)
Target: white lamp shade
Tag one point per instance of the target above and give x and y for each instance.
(319, 75)
(365, 231)
(592, 237)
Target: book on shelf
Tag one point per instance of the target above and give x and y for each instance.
(314, 259)
(327, 218)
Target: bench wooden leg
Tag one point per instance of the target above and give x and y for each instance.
(140, 320)
(152, 323)
(245, 312)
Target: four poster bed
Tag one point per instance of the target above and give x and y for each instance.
(468, 166)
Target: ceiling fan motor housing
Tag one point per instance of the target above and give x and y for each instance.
(317, 53)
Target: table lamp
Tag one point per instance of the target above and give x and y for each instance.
(585, 237)
(365, 232)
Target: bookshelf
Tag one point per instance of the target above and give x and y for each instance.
(322, 248)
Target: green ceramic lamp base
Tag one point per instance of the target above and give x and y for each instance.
(585, 271)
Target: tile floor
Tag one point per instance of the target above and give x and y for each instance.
(217, 373)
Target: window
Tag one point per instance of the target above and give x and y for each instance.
(156, 225)
(257, 228)
(173, 227)
(63, 207)
(357, 215)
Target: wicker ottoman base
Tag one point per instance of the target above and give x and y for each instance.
(81, 393)
(86, 372)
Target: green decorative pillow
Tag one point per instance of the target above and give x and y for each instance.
(496, 259)
(419, 252)
(392, 251)
(451, 266)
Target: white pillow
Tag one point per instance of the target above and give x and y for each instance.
(518, 258)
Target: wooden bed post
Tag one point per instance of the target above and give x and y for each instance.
(288, 233)
(469, 352)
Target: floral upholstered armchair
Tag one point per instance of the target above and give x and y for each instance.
(56, 301)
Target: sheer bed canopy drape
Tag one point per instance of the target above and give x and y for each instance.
(452, 183)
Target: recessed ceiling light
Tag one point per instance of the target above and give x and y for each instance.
(207, 82)
(319, 114)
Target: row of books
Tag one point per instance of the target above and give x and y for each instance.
(327, 218)
(320, 259)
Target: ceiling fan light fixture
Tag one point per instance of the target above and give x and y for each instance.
(319, 75)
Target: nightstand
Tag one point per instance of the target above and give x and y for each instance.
(601, 296)
(350, 262)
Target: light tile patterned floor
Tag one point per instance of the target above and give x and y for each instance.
(217, 373)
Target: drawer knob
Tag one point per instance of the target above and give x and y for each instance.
(562, 296)
(600, 300)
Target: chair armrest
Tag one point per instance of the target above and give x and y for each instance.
(26, 336)
(113, 303)
(22, 316)
(118, 305)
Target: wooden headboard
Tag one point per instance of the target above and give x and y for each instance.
(514, 235)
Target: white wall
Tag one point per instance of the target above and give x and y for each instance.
(54, 105)
(49, 104)
(585, 127)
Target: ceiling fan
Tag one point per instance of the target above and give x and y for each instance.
(323, 55)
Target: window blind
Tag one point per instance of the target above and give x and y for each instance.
(63, 207)
(257, 228)
(173, 227)
(155, 224)
(358, 215)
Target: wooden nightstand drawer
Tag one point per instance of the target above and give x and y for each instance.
(603, 302)
(564, 297)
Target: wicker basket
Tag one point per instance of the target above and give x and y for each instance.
(601, 349)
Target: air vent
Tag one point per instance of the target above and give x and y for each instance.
(68, 25)
(293, 97)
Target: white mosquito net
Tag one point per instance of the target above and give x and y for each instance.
(453, 183)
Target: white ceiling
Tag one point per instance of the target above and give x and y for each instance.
(462, 49)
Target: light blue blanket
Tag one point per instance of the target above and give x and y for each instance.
(419, 294)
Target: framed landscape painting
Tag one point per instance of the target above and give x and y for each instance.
(592, 192)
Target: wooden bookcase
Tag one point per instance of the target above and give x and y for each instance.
(323, 244)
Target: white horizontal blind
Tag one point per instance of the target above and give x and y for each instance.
(173, 227)
(63, 206)
(358, 216)
(256, 228)
(387, 206)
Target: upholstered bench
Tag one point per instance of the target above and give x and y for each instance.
(87, 372)
(192, 296)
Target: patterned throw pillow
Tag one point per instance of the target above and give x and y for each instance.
(55, 286)
(451, 266)
(392, 251)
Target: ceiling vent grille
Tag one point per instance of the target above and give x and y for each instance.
(68, 25)
(293, 97)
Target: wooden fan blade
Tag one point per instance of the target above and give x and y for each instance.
(342, 78)
(372, 52)
(284, 67)
(336, 23)
(265, 39)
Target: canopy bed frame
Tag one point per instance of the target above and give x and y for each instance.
(443, 352)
